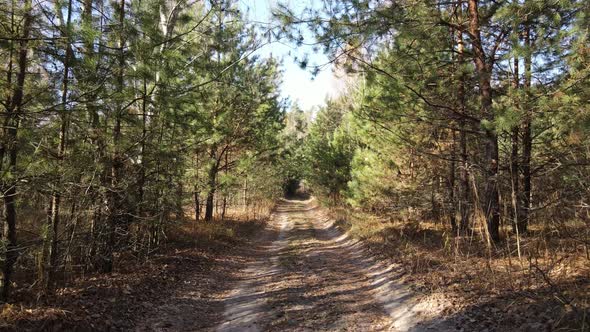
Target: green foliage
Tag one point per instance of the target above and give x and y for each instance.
(328, 151)
(417, 99)
(131, 109)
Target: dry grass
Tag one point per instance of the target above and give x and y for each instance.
(202, 233)
(188, 248)
(238, 224)
(550, 272)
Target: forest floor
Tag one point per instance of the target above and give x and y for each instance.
(298, 271)
(195, 262)
(295, 272)
(308, 275)
(541, 283)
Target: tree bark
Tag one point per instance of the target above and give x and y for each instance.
(197, 193)
(10, 147)
(212, 183)
(88, 77)
(142, 153)
(452, 180)
(464, 174)
(245, 195)
(197, 205)
(224, 204)
(514, 162)
(116, 161)
(491, 199)
(527, 140)
(53, 219)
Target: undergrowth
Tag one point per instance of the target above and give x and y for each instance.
(98, 302)
(545, 273)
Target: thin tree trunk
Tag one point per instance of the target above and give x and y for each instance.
(491, 199)
(53, 219)
(142, 152)
(114, 196)
(514, 167)
(527, 140)
(13, 113)
(88, 77)
(223, 207)
(435, 206)
(453, 164)
(196, 192)
(197, 204)
(7, 119)
(464, 175)
(452, 177)
(245, 194)
(212, 182)
(465, 192)
(224, 204)
(179, 200)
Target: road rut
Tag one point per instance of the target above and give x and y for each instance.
(309, 276)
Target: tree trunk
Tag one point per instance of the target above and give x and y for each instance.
(197, 205)
(114, 196)
(245, 194)
(464, 174)
(434, 203)
(452, 180)
(7, 119)
(88, 77)
(223, 207)
(53, 220)
(224, 204)
(10, 147)
(179, 200)
(491, 199)
(514, 167)
(527, 141)
(212, 183)
(142, 152)
(197, 192)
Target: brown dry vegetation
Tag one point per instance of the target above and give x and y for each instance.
(546, 288)
(205, 251)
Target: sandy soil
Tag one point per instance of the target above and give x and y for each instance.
(312, 277)
(301, 273)
(296, 272)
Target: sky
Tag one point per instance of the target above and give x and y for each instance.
(299, 85)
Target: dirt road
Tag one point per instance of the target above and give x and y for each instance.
(308, 276)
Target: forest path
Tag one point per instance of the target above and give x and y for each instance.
(309, 276)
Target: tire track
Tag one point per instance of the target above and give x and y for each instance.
(314, 278)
